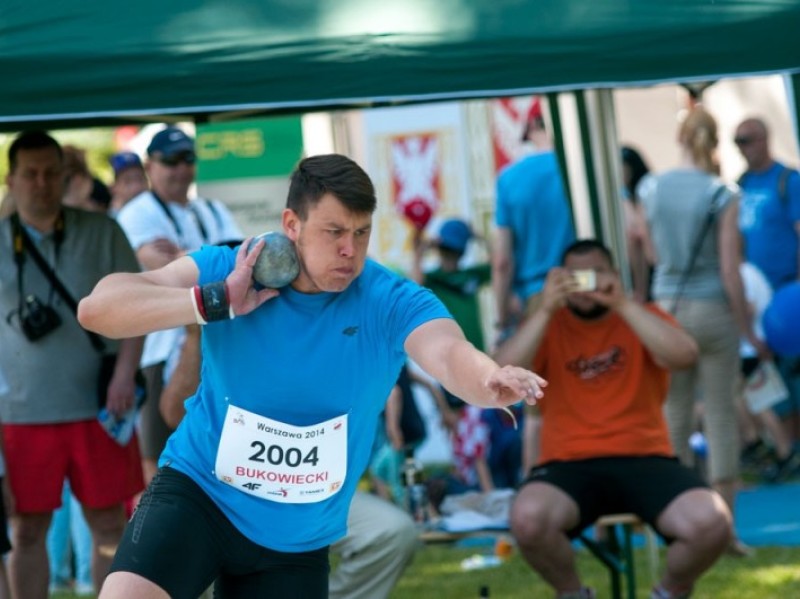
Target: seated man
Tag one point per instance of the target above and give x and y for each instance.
(604, 441)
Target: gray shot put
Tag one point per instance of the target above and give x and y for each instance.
(277, 265)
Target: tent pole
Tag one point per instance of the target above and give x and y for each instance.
(571, 153)
(792, 83)
(557, 135)
(589, 146)
(587, 134)
(608, 184)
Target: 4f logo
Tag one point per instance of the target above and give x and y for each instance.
(251, 486)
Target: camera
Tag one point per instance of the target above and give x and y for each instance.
(585, 280)
(37, 319)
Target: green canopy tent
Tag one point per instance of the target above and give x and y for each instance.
(90, 63)
(76, 64)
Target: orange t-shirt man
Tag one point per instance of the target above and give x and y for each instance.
(605, 393)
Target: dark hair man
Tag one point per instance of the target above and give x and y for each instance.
(273, 443)
(605, 447)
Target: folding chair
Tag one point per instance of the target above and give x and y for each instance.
(617, 555)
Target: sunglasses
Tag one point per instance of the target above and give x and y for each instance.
(744, 140)
(176, 159)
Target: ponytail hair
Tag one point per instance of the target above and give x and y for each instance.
(698, 134)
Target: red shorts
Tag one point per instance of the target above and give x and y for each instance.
(40, 457)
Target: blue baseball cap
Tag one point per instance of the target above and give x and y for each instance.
(454, 235)
(170, 141)
(122, 160)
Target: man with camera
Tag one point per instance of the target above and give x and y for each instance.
(52, 257)
(162, 224)
(604, 442)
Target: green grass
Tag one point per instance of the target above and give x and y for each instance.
(773, 573)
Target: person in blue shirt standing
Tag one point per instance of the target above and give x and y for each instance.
(769, 214)
(769, 218)
(256, 482)
(534, 226)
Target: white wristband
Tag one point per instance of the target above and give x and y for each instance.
(197, 316)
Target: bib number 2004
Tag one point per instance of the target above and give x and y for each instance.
(282, 462)
(278, 456)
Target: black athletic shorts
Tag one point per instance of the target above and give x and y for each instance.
(179, 539)
(644, 486)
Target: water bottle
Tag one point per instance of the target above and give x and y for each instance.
(503, 547)
(416, 493)
(120, 428)
(699, 447)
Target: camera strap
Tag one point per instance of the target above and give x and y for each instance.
(17, 241)
(197, 218)
(22, 242)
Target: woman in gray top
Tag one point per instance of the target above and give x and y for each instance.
(697, 279)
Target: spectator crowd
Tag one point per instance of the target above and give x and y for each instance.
(93, 283)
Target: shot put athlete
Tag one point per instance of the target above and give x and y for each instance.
(256, 482)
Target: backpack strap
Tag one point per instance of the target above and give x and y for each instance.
(783, 185)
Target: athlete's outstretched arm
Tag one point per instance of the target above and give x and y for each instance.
(440, 348)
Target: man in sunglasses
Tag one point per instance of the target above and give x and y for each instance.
(769, 217)
(770, 206)
(163, 224)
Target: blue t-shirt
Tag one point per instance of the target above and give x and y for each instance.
(531, 203)
(299, 359)
(768, 223)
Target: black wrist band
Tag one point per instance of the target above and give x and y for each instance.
(215, 301)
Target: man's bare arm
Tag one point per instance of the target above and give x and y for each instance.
(184, 380)
(439, 347)
(502, 270)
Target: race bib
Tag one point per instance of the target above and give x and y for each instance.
(280, 462)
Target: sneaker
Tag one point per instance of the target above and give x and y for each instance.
(584, 593)
(739, 549)
(84, 589)
(783, 470)
(60, 587)
(660, 592)
(757, 454)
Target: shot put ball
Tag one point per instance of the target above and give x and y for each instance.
(277, 265)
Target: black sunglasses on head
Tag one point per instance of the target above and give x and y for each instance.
(743, 140)
(176, 159)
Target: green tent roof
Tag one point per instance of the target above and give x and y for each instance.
(91, 62)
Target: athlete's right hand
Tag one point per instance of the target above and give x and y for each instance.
(243, 296)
